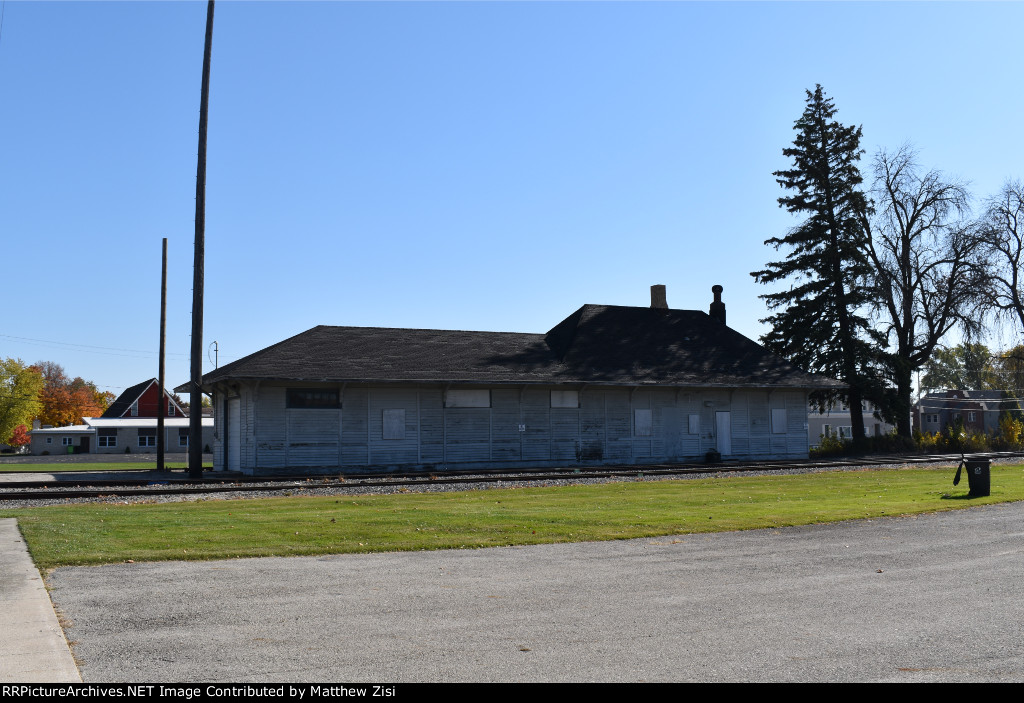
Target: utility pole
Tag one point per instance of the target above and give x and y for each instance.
(195, 412)
(161, 406)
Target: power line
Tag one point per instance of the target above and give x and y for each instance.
(87, 348)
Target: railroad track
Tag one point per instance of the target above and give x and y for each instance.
(86, 487)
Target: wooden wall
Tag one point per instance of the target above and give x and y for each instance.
(520, 428)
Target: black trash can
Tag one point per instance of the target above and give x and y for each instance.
(978, 476)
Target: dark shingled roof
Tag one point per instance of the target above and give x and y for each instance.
(600, 344)
(124, 401)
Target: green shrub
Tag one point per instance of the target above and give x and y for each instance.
(830, 446)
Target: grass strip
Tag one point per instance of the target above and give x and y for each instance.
(221, 529)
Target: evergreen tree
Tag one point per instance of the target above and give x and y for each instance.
(818, 322)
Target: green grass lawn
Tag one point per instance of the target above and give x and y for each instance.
(65, 467)
(219, 529)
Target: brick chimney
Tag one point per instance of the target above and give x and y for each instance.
(659, 300)
(717, 310)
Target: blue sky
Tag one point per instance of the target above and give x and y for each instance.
(461, 165)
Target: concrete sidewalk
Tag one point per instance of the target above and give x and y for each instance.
(32, 644)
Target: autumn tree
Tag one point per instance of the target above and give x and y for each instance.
(926, 271)
(20, 437)
(19, 395)
(102, 400)
(66, 401)
(819, 322)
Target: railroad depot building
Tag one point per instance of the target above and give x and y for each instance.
(606, 385)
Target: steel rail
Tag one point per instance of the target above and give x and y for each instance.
(113, 488)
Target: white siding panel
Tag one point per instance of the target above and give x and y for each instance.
(739, 407)
(393, 451)
(565, 433)
(536, 417)
(467, 434)
(354, 427)
(665, 424)
(431, 427)
(619, 426)
(760, 445)
(643, 444)
(272, 427)
(592, 426)
(313, 437)
(506, 443)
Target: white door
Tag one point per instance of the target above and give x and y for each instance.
(723, 431)
(234, 434)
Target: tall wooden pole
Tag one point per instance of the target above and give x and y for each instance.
(161, 408)
(195, 414)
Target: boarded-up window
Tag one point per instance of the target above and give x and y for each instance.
(778, 421)
(313, 398)
(693, 426)
(394, 424)
(467, 399)
(642, 423)
(565, 399)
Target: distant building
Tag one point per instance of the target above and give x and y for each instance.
(141, 401)
(837, 422)
(130, 423)
(977, 410)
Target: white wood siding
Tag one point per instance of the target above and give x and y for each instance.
(519, 428)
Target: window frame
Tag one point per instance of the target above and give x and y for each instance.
(647, 424)
(312, 399)
(466, 398)
(780, 421)
(392, 424)
(566, 399)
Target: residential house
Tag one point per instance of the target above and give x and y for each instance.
(141, 401)
(129, 425)
(977, 410)
(837, 422)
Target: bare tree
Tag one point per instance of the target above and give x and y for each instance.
(1003, 232)
(925, 257)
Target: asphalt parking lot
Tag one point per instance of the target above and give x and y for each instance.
(928, 598)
